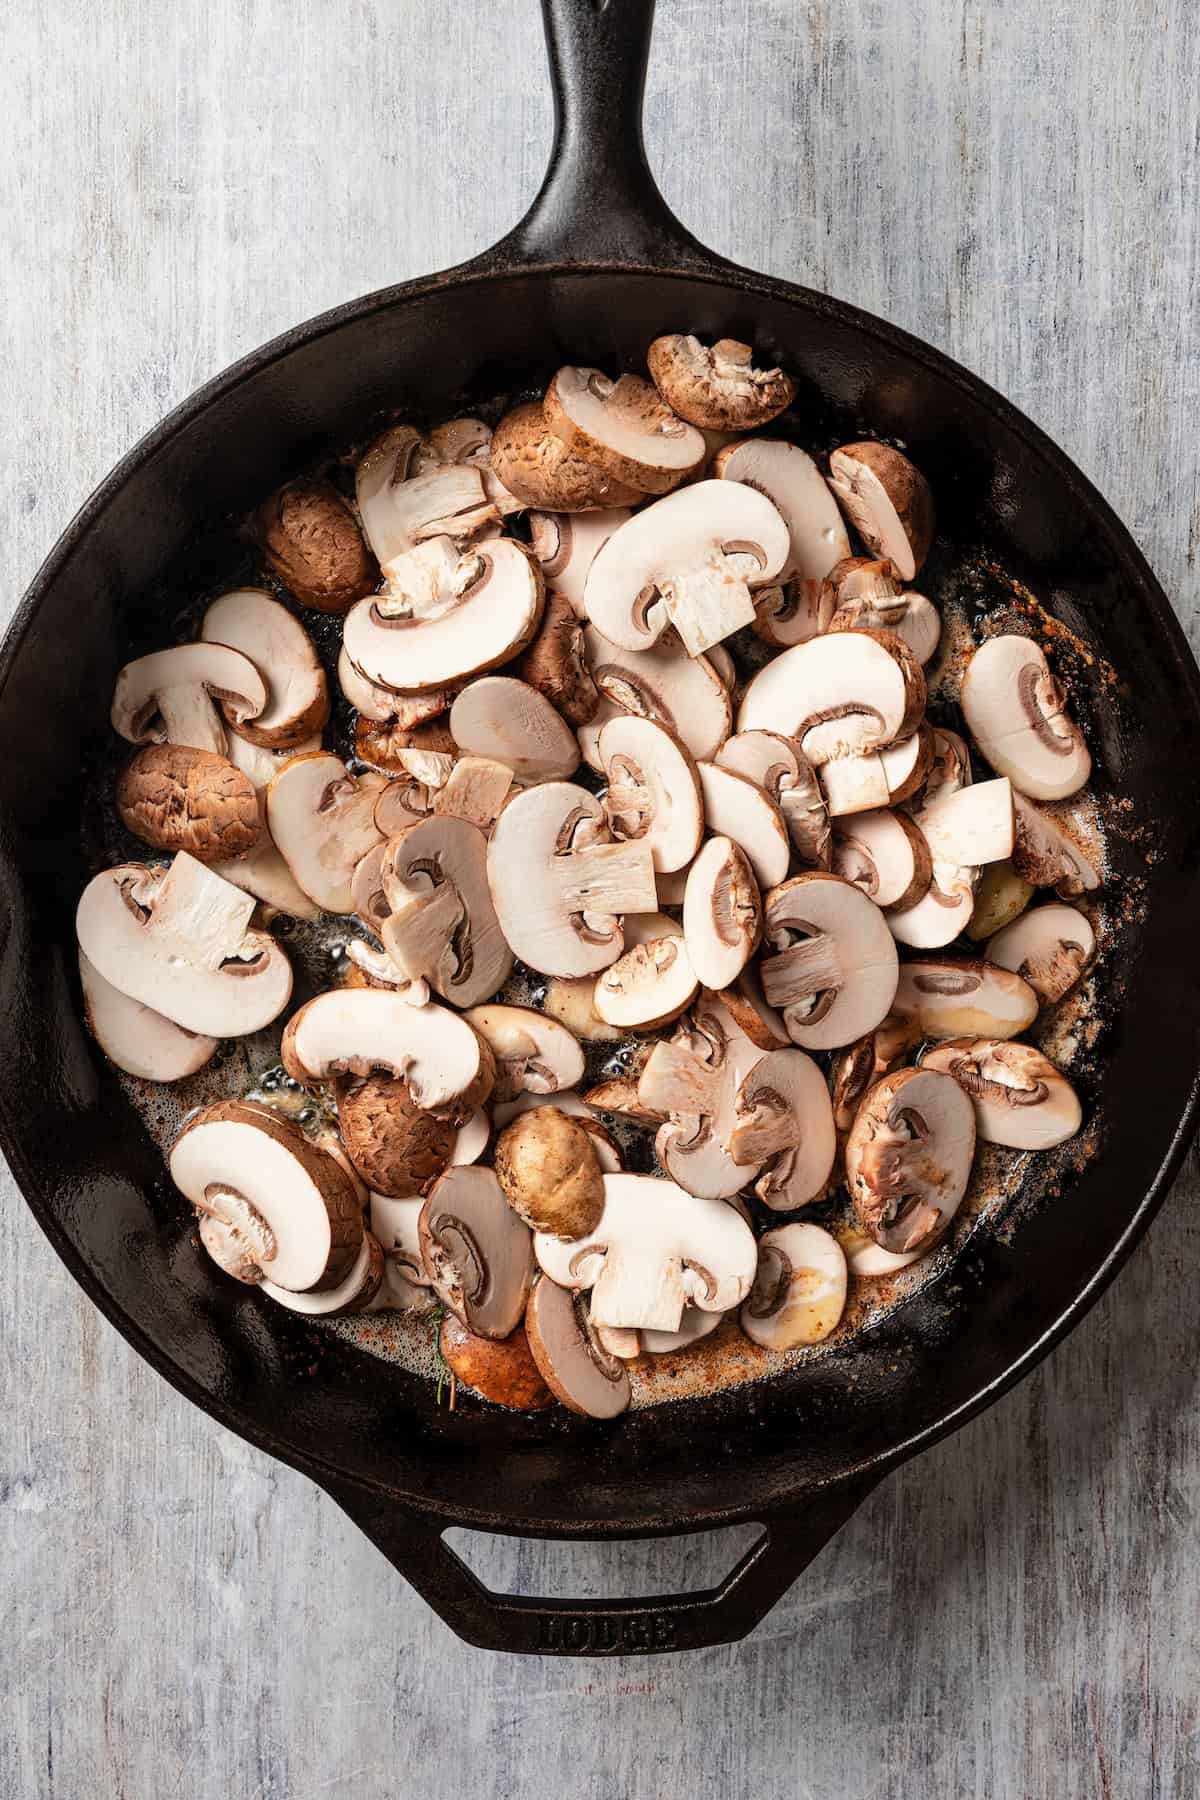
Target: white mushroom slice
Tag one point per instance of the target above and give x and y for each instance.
(571, 1000)
(1021, 1100)
(471, 1139)
(869, 1261)
(858, 1067)
(406, 800)
(694, 1078)
(477, 1253)
(178, 940)
(262, 766)
(799, 1292)
(623, 428)
(855, 784)
(1047, 856)
(723, 665)
(791, 480)
(1050, 948)
(950, 997)
(441, 926)
(779, 766)
(738, 808)
(1000, 896)
(834, 969)
(447, 1067)
(722, 913)
(576, 1368)
(445, 616)
(263, 873)
(693, 1326)
(399, 509)
(653, 794)
(475, 789)
(688, 561)
(884, 854)
(619, 1095)
(838, 696)
(558, 886)
(533, 1054)
(354, 1293)
(654, 1249)
(1016, 713)
(381, 971)
(275, 641)
(290, 1212)
(510, 722)
(135, 1037)
(910, 615)
(394, 1223)
(682, 692)
(941, 914)
(466, 441)
(649, 985)
(971, 827)
(785, 1128)
(717, 387)
(909, 1156)
(373, 701)
(322, 819)
(566, 544)
(747, 1007)
(170, 697)
(790, 612)
(888, 502)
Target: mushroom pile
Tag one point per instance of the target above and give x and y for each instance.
(638, 768)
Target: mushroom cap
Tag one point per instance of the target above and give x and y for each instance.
(854, 784)
(477, 1253)
(259, 1175)
(502, 1371)
(738, 808)
(177, 939)
(799, 1292)
(312, 541)
(511, 722)
(834, 971)
(395, 1147)
(252, 621)
(654, 1248)
(1050, 948)
(176, 798)
(958, 996)
(1047, 856)
(910, 615)
(263, 873)
(888, 502)
(970, 827)
(135, 1037)
(654, 793)
(722, 912)
(536, 465)
(838, 696)
(533, 1054)
(623, 429)
(441, 926)
(1021, 1100)
(909, 1157)
(570, 999)
(555, 663)
(694, 554)
(168, 697)
(322, 819)
(794, 485)
(574, 1365)
(362, 1031)
(383, 745)
(885, 855)
(869, 1261)
(785, 1121)
(681, 692)
(651, 984)
(565, 545)
(717, 387)
(1016, 713)
(548, 1167)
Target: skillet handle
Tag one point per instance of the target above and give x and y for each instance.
(552, 1627)
(599, 203)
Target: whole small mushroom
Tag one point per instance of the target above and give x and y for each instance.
(177, 798)
(396, 1148)
(888, 502)
(547, 1165)
(311, 540)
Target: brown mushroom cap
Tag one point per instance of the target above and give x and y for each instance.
(503, 1372)
(909, 1157)
(717, 387)
(182, 799)
(1016, 713)
(574, 1365)
(311, 540)
(799, 1292)
(281, 650)
(547, 1165)
(538, 467)
(833, 970)
(842, 695)
(623, 429)
(859, 1066)
(1021, 1100)
(1050, 947)
(887, 500)
(396, 1148)
(477, 1253)
(555, 663)
(382, 745)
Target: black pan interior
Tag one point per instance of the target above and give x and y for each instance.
(96, 1182)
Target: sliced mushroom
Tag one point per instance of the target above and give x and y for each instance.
(135, 1037)
(566, 545)
(353, 1294)
(858, 581)
(1021, 1100)
(717, 387)
(290, 1212)
(395, 1147)
(558, 887)
(178, 940)
(394, 1222)
(1050, 948)
(885, 855)
(950, 997)
(536, 464)
(477, 1253)
(571, 1000)
(466, 441)
(695, 1078)
(503, 1371)
(361, 1031)
(970, 827)
(281, 650)
(834, 969)
(779, 766)
(400, 508)
(910, 615)
(322, 819)
(785, 1128)
(445, 616)
(651, 984)
(881, 1052)
(555, 664)
(654, 1248)
(262, 766)
(1000, 896)
(1047, 856)
(513, 723)
(687, 561)
(964, 823)
(475, 789)
(855, 784)
(747, 1007)
(735, 806)
(868, 1261)
(909, 1156)
(679, 691)
(626, 1345)
(888, 502)
(1016, 713)
(532, 1053)
(792, 482)
(838, 696)
(441, 926)
(799, 1292)
(619, 1096)
(181, 799)
(623, 429)
(170, 696)
(790, 612)
(574, 1365)
(722, 913)
(385, 705)
(653, 794)
(547, 1165)
(311, 540)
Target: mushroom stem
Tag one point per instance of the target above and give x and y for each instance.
(806, 968)
(189, 717)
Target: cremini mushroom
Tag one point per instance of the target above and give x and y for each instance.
(956, 996)
(170, 696)
(535, 464)
(747, 1006)
(1047, 856)
(511, 722)
(363, 1031)
(650, 984)
(312, 541)
(477, 1253)
(249, 620)
(574, 1364)
(687, 561)
(779, 766)
(664, 683)
(1021, 1100)
(860, 1065)
(395, 1222)
(178, 940)
(695, 1078)
(722, 913)
(854, 784)
(555, 663)
(401, 508)
(1051, 947)
(655, 1248)
(475, 789)
(859, 581)
(736, 807)
(354, 1293)
(466, 441)
(963, 822)
(717, 386)
(833, 968)
(839, 696)
(910, 615)
(909, 1156)
(1001, 895)
(441, 925)
(785, 1128)
(387, 706)
(394, 1146)
(135, 1037)
(627, 1345)
(176, 798)
(653, 794)
(502, 1371)
(799, 1292)
(548, 1167)
(794, 485)
(885, 855)
(869, 1261)
(1016, 713)
(970, 827)
(322, 819)
(623, 429)
(565, 545)
(888, 502)
(532, 1053)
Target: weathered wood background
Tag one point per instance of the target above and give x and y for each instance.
(1018, 1614)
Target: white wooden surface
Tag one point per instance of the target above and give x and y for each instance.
(1017, 1614)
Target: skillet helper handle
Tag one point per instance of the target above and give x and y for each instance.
(552, 1627)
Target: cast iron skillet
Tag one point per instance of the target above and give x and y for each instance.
(596, 270)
